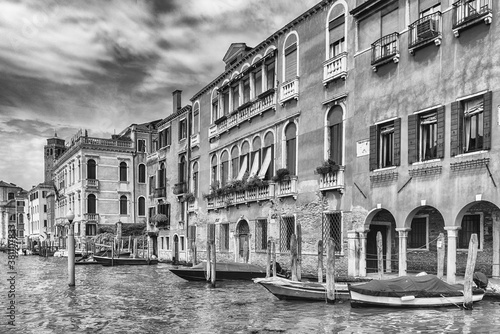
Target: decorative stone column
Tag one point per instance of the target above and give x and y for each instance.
(403, 243)
(362, 255)
(451, 263)
(352, 254)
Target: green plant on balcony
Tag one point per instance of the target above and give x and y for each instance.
(189, 197)
(161, 221)
(282, 174)
(255, 182)
(328, 166)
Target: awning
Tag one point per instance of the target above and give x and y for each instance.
(265, 164)
(255, 164)
(243, 168)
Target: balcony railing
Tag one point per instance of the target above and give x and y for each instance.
(193, 206)
(289, 90)
(159, 192)
(385, 50)
(335, 67)
(91, 183)
(287, 187)
(93, 217)
(263, 102)
(332, 180)
(469, 12)
(424, 31)
(241, 197)
(106, 142)
(195, 140)
(180, 188)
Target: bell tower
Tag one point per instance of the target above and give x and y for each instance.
(54, 148)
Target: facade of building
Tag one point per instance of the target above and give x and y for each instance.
(13, 200)
(39, 227)
(355, 118)
(167, 174)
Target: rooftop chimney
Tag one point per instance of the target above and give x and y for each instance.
(176, 94)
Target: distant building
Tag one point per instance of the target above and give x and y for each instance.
(12, 211)
(39, 227)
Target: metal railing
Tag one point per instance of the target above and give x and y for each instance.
(468, 11)
(385, 48)
(425, 30)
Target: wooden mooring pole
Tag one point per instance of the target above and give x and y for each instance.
(299, 253)
(330, 271)
(440, 256)
(274, 258)
(293, 253)
(320, 261)
(469, 271)
(268, 266)
(209, 253)
(380, 255)
(214, 265)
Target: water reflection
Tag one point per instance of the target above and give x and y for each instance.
(150, 299)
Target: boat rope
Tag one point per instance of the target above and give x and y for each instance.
(451, 301)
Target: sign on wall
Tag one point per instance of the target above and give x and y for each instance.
(363, 147)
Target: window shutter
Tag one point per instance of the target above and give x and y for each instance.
(412, 139)
(487, 110)
(373, 147)
(291, 62)
(455, 129)
(397, 142)
(440, 132)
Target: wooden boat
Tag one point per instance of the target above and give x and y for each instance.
(224, 271)
(123, 259)
(410, 291)
(286, 289)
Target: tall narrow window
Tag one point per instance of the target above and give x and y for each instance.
(244, 160)
(182, 129)
(335, 134)
(336, 31)
(141, 206)
(236, 96)
(224, 168)
(213, 169)
(291, 58)
(267, 169)
(261, 235)
(287, 228)
(270, 73)
(215, 107)
(417, 236)
(182, 169)
(258, 81)
(91, 203)
(473, 124)
(386, 149)
(168, 136)
(195, 179)
(123, 171)
(291, 148)
(196, 119)
(246, 89)
(235, 167)
(471, 224)
(142, 173)
(255, 157)
(428, 136)
(225, 101)
(91, 169)
(161, 176)
(123, 205)
(141, 145)
(332, 228)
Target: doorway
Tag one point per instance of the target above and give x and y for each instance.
(243, 241)
(371, 247)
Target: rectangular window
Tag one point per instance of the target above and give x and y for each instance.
(224, 171)
(261, 235)
(182, 129)
(182, 243)
(270, 74)
(417, 236)
(90, 229)
(234, 168)
(386, 148)
(167, 243)
(473, 124)
(287, 228)
(332, 228)
(471, 224)
(45, 223)
(215, 109)
(162, 243)
(224, 237)
(141, 145)
(44, 194)
(291, 62)
(225, 101)
(168, 136)
(195, 184)
(152, 185)
(45, 208)
(428, 133)
(336, 32)
(337, 47)
(258, 82)
(246, 89)
(236, 97)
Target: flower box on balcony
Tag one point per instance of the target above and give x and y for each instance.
(329, 166)
(220, 120)
(282, 174)
(266, 93)
(243, 106)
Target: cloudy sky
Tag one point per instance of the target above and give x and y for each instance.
(103, 65)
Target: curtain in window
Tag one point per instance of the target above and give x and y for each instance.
(428, 130)
(473, 124)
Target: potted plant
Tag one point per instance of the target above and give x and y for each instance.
(328, 166)
(282, 174)
(189, 197)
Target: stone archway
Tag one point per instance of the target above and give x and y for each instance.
(243, 241)
(384, 222)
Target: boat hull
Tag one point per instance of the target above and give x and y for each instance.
(361, 300)
(285, 289)
(224, 271)
(124, 261)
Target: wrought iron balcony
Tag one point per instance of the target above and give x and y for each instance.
(334, 68)
(470, 12)
(332, 180)
(424, 31)
(289, 90)
(385, 50)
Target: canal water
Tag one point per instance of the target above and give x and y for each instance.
(149, 299)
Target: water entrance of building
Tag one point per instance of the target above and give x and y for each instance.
(243, 241)
(371, 247)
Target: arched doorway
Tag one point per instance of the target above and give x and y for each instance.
(383, 221)
(175, 257)
(243, 238)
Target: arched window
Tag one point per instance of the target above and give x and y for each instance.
(255, 157)
(267, 168)
(182, 169)
(224, 168)
(161, 176)
(335, 31)
(335, 134)
(123, 171)
(291, 58)
(213, 169)
(91, 170)
(123, 205)
(142, 206)
(196, 118)
(91, 204)
(291, 148)
(195, 179)
(244, 157)
(235, 167)
(142, 173)
(215, 105)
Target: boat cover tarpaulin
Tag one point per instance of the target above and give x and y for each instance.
(233, 266)
(418, 286)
